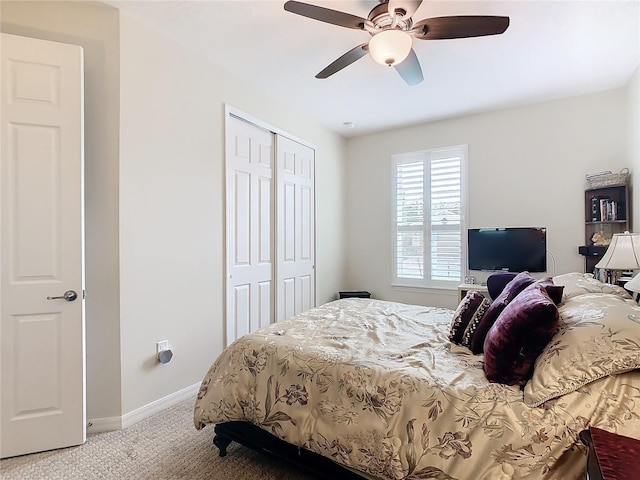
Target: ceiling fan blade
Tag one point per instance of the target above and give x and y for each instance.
(441, 28)
(345, 60)
(409, 6)
(410, 70)
(325, 15)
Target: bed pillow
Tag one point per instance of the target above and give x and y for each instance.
(474, 304)
(497, 281)
(519, 335)
(598, 335)
(510, 291)
(473, 324)
(554, 291)
(580, 283)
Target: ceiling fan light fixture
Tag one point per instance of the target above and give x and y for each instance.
(390, 47)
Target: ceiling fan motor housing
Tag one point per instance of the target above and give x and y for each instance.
(379, 16)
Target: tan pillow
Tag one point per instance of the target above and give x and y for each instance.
(580, 283)
(598, 335)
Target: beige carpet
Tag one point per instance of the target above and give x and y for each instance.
(164, 446)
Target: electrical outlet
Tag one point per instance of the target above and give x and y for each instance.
(162, 346)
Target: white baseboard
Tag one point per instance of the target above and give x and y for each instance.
(98, 425)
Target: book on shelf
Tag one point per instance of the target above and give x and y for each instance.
(595, 209)
(603, 209)
(615, 277)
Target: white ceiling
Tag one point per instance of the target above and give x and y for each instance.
(552, 49)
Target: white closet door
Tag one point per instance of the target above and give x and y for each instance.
(295, 228)
(249, 159)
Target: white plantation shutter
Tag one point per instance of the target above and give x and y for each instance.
(410, 220)
(446, 219)
(429, 195)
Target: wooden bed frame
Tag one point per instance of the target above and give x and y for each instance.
(262, 441)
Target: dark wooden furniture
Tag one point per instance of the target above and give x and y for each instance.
(355, 294)
(606, 210)
(593, 469)
(262, 441)
(611, 456)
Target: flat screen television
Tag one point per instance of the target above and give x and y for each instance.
(513, 249)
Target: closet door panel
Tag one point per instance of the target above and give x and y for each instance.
(250, 228)
(295, 272)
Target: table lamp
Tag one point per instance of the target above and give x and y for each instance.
(633, 285)
(623, 253)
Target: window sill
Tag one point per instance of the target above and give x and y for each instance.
(453, 289)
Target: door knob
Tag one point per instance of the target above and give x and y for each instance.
(69, 296)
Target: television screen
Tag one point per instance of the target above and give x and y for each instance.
(508, 249)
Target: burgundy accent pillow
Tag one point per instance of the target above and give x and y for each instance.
(554, 291)
(469, 307)
(521, 332)
(513, 288)
(473, 323)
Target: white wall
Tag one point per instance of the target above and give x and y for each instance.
(527, 167)
(154, 199)
(162, 186)
(94, 26)
(633, 129)
(172, 207)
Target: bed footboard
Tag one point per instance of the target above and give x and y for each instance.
(260, 440)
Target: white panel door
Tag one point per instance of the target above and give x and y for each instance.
(295, 228)
(249, 162)
(42, 388)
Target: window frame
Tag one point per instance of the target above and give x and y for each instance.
(427, 157)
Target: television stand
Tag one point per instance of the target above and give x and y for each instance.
(465, 288)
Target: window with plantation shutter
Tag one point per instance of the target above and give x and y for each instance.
(429, 205)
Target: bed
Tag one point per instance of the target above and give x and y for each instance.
(379, 390)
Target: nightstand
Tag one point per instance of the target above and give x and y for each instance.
(617, 456)
(465, 288)
(355, 294)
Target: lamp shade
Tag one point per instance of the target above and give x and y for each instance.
(623, 252)
(390, 47)
(633, 285)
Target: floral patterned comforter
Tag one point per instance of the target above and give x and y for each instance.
(378, 387)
